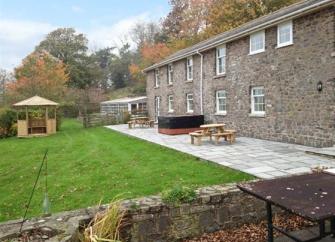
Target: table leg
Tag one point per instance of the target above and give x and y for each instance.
(270, 225)
(322, 228)
(332, 226)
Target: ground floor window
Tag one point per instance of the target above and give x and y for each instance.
(189, 102)
(257, 100)
(221, 104)
(170, 103)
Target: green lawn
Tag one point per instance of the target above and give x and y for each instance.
(89, 165)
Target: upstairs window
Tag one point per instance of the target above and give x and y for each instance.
(285, 34)
(157, 81)
(221, 104)
(257, 42)
(170, 103)
(257, 101)
(189, 68)
(170, 74)
(221, 60)
(189, 102)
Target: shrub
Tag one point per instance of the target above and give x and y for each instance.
(105, 225)
(178, 194)
(8, 119)
(59, 119)
(69, 110)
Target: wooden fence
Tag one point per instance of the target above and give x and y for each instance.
(102, 119)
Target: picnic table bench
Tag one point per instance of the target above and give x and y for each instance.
(213, 130)
(310, 196)
(142, 121)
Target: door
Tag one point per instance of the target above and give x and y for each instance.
(133, 108)
(157, 108)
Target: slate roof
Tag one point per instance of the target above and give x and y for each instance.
(263, 22)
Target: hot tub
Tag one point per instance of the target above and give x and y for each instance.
(173, 125)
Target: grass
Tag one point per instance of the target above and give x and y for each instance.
(87, 165)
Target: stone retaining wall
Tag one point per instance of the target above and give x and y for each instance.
(216, 207)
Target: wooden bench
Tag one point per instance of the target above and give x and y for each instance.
(233, 134)
(196, 136)
(226, 135)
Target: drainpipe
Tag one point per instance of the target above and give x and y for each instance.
(201, 82)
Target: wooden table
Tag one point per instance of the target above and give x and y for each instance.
(142, 121)
(212, 128)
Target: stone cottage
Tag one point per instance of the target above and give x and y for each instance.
(272, 78)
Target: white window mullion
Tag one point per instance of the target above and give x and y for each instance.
(170, 74)
(157, 81)
(221, 104)
(285, 34)
(221, 60)
(189, 68)
(257, 42)
(257, 101)
(170, 103)
(189, 103)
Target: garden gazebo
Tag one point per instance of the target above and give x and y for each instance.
(36, 116)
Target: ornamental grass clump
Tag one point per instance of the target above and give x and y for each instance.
(178, 195)
(106, 225)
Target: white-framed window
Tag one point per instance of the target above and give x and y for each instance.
(170, 74)
(170, 103)
(257, 42)
(157, 81)
(221, 102)
(189, 102)
(257, 101)
(189, 68)
(285, 34)
(221, 60)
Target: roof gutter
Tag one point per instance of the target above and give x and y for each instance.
(267, 24)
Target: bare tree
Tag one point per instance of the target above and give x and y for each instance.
(5, 78)
(144, 32)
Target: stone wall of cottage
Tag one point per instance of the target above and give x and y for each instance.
(295, 111)
(148, 219)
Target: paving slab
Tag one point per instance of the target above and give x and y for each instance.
(261, 158)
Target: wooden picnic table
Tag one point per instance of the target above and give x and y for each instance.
(210, 128)
(139, 118)
(141, 121)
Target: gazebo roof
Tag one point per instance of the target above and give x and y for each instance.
(35, 101)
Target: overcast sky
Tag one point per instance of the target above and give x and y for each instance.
(24, 23)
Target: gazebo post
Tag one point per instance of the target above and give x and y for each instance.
(27, 120)
(46, 120)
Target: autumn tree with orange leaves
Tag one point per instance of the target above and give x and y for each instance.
(39, 74)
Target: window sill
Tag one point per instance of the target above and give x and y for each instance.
(189, 81)
(284, 45)
(219, 76)
(256, 52)
(220, 114)
(156, 87)
(257, 115)
(171, 111)
(190, 112)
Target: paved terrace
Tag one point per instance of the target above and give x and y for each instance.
(261, 158)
